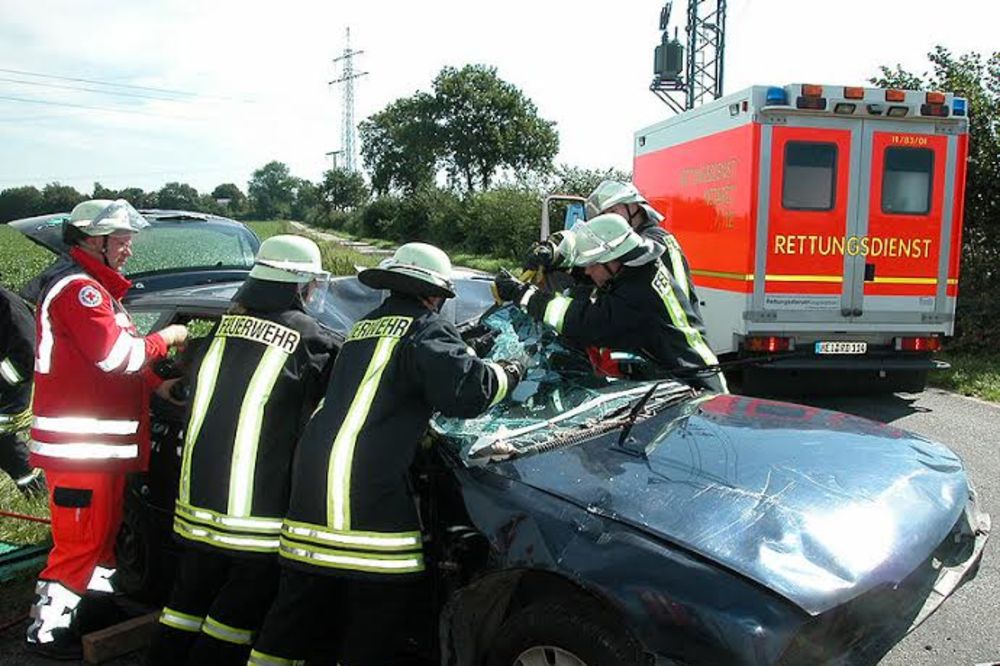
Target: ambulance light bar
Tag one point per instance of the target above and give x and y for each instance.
(895, 96)
(958, 107)
(767, 343)
(897, 111)
(776, 96)
(919, 344)
(851, 92)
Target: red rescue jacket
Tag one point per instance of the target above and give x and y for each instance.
(92, 373)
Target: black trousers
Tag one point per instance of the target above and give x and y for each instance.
(217, 604)
(13, 450)
(332, 619)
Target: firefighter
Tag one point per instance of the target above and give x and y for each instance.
(256, 385)
(17, 356)
(637, 306)
(90, 422)
(612, 196)
(351, 546)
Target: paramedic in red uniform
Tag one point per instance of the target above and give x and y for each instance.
(90, 426)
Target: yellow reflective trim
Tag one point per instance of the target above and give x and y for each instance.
(204, 534)
(662, 285)
(380, 541)
(743, 277)
(9, 372)
(244, 460)
(224, 632)
(264, 659)
(342, 454)
(181, 621)
(196, 514)
(501, 383)
(777, 277)
(555, 311)
(351, 560)
(207, 376)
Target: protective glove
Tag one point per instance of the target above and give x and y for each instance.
(514, 371)
(508, 288)
(545, 254)
(480, 338)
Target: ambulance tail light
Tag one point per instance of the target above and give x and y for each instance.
(811, 90)
(936, 110)
(776, 97)
(814, 103)
(934, 98)
(851, 92)
(897, 111)
(895, 96)
(918, 344)
(767, 343)
(844, 107)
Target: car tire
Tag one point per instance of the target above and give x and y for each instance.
(558, 634)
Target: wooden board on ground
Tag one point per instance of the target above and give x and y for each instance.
(119, 639)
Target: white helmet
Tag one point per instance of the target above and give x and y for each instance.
(103, 217)
(611, 193)
(603, 239)
(288, 258)
(419, 269)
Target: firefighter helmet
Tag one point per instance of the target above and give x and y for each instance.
(611, 193)
(419, 269)
(288, 258)
(603, 239)
(103, 217)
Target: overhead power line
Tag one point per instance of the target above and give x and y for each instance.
(115, 93)
(91, 108)
(130, 86)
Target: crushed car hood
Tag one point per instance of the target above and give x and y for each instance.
(817, 506)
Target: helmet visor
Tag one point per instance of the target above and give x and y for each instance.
(119, 215)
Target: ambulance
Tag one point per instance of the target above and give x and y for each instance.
(823, 227)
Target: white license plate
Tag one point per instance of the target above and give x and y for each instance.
(836, 347)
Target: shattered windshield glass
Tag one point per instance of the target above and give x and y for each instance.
(560, 400)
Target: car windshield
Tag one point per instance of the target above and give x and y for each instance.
(191, 245)
(560, 400)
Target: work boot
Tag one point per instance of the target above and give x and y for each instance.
(52, 632)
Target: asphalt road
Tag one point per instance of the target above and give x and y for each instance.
(965, 631)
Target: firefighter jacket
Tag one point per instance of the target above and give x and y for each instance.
(92, 372)
(17, 352)
(668, 250)
(642, 310)
(255, 386)
(350, 511)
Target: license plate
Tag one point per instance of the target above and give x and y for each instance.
(836, 347)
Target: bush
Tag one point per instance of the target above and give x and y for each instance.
(501, 222)
(378, 217)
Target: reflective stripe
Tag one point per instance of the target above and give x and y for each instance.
(197, 514)
(119, 352)
(82, 425)
(53, 610)
(677, 262)
(263, 659)
(342, 455)
(207, 376)
(555, 311)
(224, 632)
(354, 561)
(181, 621)
(84, 450)
(386, 541)
(137, 357)
(43, 361)
(244, 460)
(28, 478)
(9, 372)
(501, 383)
(221, 540)
(528, 293)
(662, 285)
(100, 580)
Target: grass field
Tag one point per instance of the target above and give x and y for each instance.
(972, 375)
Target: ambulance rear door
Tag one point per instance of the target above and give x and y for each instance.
(807, 206)
(899, 264)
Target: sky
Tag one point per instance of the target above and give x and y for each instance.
(220, 88)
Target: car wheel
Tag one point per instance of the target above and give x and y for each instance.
(554, 634)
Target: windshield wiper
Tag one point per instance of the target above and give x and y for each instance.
(633, 415)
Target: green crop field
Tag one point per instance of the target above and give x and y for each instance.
(20, 259)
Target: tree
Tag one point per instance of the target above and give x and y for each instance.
(307, 197)
(343, 190)
(568, 179)
(177, 196)
(272, 191)
(488, 124)
(18, 202)
(57, 198)
(138, 198)
(400, 146)
(979, 284)
(236, 201)
(473, 126)
(101, 192)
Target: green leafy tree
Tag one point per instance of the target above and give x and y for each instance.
(474, 126)
(18, 202)
(272, 191)
(57, 198)
(178, 196)
(101, 192)
(138, 198)
(400, 145)
(308, 196)
(568, 179)
(343, 190)
(487, 124)
(235, 201)
(978, 80)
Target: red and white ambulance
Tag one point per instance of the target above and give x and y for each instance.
(821, 222)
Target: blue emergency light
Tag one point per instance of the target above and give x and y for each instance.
(957, 106)
(776, 97)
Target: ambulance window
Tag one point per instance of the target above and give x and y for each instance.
(810, 179)
(906, 181)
